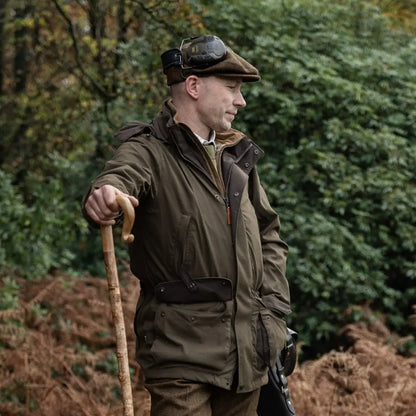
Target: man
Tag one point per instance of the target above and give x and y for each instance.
(207, 251)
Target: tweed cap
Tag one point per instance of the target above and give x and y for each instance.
(180, 63)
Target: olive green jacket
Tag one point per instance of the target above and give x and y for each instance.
(207, 252)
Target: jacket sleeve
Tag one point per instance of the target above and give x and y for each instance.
(275, 288)
(133, 170)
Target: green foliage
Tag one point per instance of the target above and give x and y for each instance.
(17, 393)
(9, 294)
(109, 365)
(79, 369)
(37, 236)
(335, 112)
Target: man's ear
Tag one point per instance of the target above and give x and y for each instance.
(192, 86)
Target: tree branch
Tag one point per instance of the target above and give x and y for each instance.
(152, 14)
(101, 90)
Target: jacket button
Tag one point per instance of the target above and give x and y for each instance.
(236, 193)
(218, 197)
(247, 165)
(163, 314)
(256, 152)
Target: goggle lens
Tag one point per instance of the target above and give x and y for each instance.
(202, 51)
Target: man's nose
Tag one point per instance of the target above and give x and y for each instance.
(240, 101)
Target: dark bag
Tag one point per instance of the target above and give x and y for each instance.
(274, 396)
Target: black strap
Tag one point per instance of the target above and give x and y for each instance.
(274, 396)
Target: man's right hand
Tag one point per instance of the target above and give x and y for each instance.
(102, 205)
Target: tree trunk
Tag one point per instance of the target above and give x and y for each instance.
(96, 15)
(121, 29)
(3, 5)
(21, 58)
(121, 37)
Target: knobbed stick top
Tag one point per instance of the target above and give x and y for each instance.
(129, 215)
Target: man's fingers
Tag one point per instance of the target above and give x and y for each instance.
(102, 205)
(133, 200)
(108, 202)
(109, 222)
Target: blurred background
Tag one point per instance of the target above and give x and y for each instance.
(335, 112)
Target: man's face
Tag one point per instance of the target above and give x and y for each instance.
(219, 101)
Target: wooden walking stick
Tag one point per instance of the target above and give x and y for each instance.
(115, 299)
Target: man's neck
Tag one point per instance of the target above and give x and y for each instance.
(188, 118)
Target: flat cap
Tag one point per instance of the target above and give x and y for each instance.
(203, 56)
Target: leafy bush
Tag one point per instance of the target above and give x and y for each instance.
(9, 294)
(37, 230)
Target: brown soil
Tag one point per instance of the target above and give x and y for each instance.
(57, 358)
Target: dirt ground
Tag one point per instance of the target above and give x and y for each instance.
(57, 358)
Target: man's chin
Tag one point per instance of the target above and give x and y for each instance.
(223, 128)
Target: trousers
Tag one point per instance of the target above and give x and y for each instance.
(186, 398)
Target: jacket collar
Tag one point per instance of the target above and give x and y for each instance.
(165, 128)
(165, 122)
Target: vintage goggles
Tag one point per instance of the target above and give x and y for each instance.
(195, 53)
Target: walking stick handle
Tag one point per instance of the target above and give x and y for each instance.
(128, 211)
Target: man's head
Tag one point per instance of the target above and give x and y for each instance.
(204, 56)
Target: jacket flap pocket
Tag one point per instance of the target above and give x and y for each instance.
(207, 289)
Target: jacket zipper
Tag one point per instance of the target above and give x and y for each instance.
(227, 204)
(223, 187)
(216, 176)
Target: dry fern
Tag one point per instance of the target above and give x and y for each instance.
(53, 365)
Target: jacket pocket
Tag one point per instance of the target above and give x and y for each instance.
(143, 325)
(262, 344)
(194, 334)
(182, 247)
(270, 337)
